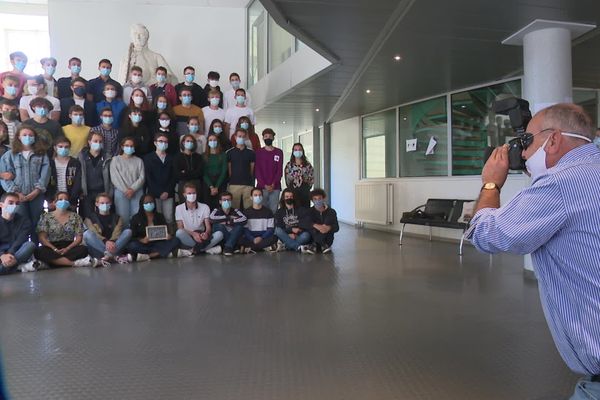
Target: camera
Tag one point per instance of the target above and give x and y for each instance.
(520, 115)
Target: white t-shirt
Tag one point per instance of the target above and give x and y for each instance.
(79, 102)
(229, 99)
(210, 115)
(61, 175)
(25, 100)
(193, 220)
(233, 114)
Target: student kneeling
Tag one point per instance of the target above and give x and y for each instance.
(194, 229)
(259, 233)
(14, 233)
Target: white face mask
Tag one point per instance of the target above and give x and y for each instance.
(536, 164)
(136, 78)
(32, 90)
(190, 197)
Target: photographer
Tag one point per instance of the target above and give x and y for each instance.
(557, 220)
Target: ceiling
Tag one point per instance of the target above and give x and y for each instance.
(444, 45)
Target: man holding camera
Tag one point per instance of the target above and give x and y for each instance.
(557, 220)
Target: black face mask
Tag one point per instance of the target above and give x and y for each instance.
(269, 142)
(79, 91)
(289, 202)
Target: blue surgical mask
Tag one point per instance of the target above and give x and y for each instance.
(214, 101)
(217, 129)
(62, 151)
(226, 204)
(20, 65)
(164, 123)
(241, 100)
(80, 91)
(105, 71)
(193, 128)
(136, 118)
(95, 146)
(186, 100)
(50, 70)
(161, 105)
(213, 144)
(77, 119)
(10, 90)
(10, 208)
(62, 204)
(244, 125)
(104, 208)
(161, 78)
(188, 145)
(298, 153)
(189, 78)
(257, 199)
(41, 111)
(107, 120)
(75, 69)
(319, 203)
(27, 140)
(240, 140)
(129, 150)
(149, 207)
(162, 146)
(235, 84)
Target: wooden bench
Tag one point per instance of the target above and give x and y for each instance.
(439, 213)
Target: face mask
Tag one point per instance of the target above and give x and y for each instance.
(50, 70)
(188, 145)
(32, 90)
(95, 146)
(257, 199)
(213, 83)
(105, 71)
(62, 151)
(75, 69)
(213, 144)
(298, 153)
(161, 78)
(191, 197)
(110, 94)
(138, 100)
(136, 118)
(20, 65)
(214, 101)
(193, 128)
(41, 111)
(149, 207)
(241, 100)
(162, 146)
(226, 204)
(77, 119)
(10, 209)
(62, 204)
(536, 164)
(235, 84)
(319, 203)
(27, 140)
(164, 123)
(107, 120)
(189, 78)
(217, 129)
(136, 78)
(289, 202)
(104, 208)
(269, 142)
(244, 125)
(11, 91)
(161, 105)
(240, 140)
(186, 100)
(80, 91)
(10, 115)
(129, 150)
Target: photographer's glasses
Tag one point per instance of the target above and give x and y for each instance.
(527, 138)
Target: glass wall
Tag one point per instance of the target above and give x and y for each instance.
(379, 145)
(475, 126)
(307, 142)
(424, 138)
(257, 42)
(281, 44)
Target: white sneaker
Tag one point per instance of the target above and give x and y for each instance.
(280, 246)
(181, 253)
(142, 257)
(248, 250)
(83, 262)
(101, 263)
(214, 250)
(28, 266)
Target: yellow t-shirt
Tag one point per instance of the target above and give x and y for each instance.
(78, 136)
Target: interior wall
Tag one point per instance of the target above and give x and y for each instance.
(208, 38)
(345, 167)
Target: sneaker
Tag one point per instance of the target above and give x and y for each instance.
(240, 250)
(271, 249)
(214, 250)
(280, 246)
(181, 253)
(102, 263)
(29, 266)
(83, 262)
(248, 250)
(325, 249)
(308, 249)
(124, 259)
(142, 257)
(227, 251)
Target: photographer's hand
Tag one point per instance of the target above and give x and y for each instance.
(495, 169)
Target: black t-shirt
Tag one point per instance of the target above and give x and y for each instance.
(199, 96)
(240, 166)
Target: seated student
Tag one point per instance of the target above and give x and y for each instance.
(10, 116)
(161, 87)
(76, 131)
(105, 237)
(47, 129)
(109, 132)
(77, 98)
(160, 177)
(95, 173)
(61, 233)
(324, 224)
(213, 85)
(65, 173)
(213, 110)
(215, 172)
(128, 177)
(65, 84)
(194, 130)
(36, 88)
(135, 128)
(136, 81)
(259, 232)
(141, 248)
(194, 229)
(10, 83)
(230, 222)
(14, 235)
(233, 114)
(95, 92)
(198, 94)
(188, 165)
(229, 97)
(165, 127)
(185, 110)
(49, 67)
(292, 223)
(111, 101)
(18, 60)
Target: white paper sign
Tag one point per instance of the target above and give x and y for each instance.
(411, 145)
(431, 146)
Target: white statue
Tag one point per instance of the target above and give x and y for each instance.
(139, 54)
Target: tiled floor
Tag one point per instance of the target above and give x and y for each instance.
(371, 321)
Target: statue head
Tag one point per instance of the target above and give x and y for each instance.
(139, 35)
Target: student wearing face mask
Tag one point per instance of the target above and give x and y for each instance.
(233, 114)
(252, 139)
(46, 128)
(215, 172)
(229, 221)
(185, 110)
(213, 110)
(135, 128)
(292, 224)
(269, 170)
(10, 116)
(10, 83)
(229, 97)
(36, 89)
(128, 176)
(193, 126)
(96, 86)
(111, 101)
(64, 85)
(259, 233)
(198, 94)
(324, 224)
(299, 175)
(241, 171)
(18, 60)
(15, 248)
(162, 87)
(213, 85)
(78, 97)
(109, 132)
(160, 105)
(95, 173)
(65, 173)
(160, 177)
(189, 166)
(77, 132)
(217, 128)
(136, 81)
(49, 67)
(140, 101)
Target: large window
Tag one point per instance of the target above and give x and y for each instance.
(424, 138)
(379, 145)
(257, 42)
(26, 33)
(475, 126)
(281, 44)
(307, 142)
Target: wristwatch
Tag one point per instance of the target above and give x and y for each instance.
(490, 186)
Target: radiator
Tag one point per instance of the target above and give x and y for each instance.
(374, 203)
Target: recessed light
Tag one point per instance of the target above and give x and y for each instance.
(404, 119)
(463, 106)
(283, 122)
(368, 90)
(397, 58)
(317, 110)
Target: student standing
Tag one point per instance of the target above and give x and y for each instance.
(64, 85)
(185, 110)
(232, 114)
(189, 166)
(95, 173)
(299, 175)
(127, 176)
(76, 131)
(96, 86)
(65, 173)
(229, 98)
(269, 170)
(161, 87)
(213, 110)
(160, 177)
(198, 94)
(111, 101)
(109, 132)
(215, 172)
(135, 128)
(77, 97)
(136, 81)
(241, 171)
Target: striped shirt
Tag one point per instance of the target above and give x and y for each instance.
(557, 220)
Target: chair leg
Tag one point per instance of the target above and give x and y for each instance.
(401, 234)
(460, 247)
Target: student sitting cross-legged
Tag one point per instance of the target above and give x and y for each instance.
(259, 233)
(105, 237)
(229, 221)
(324, 223)
(15, 248)
(292, 223)
(194, 229)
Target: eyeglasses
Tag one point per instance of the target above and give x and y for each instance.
(527, 138)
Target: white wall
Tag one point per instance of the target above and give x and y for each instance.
(208, 38)
(345, 167)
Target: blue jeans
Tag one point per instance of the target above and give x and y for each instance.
(127, 208)
(32, 210)
(292, 244)
(162, 247)
(271, 199)
(188, 241)
(586, 390)
(97, 248)
(23, 253)
(231, 237)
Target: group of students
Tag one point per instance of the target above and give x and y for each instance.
(205, 177)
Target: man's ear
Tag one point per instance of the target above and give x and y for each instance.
(555, 142)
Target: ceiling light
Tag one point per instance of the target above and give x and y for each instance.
(283, 122)
(397, 58)
(368, 90)
(404, 119)
(316, 109)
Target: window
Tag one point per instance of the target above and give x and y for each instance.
(588, 99)
(26, 33)
(257, 42)
(424, 138)
(475, 126)
(307, 142)
(379, 145)
(281, 44)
